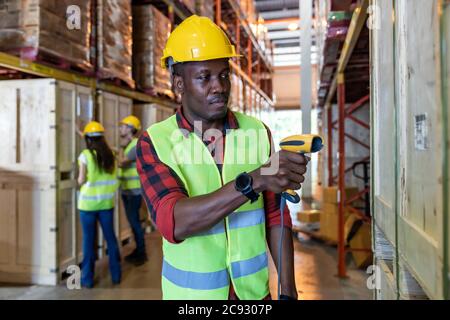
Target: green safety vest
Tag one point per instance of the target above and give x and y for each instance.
(202, 266)
(98, 193)
(129, 176)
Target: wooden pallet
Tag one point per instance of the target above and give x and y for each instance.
(103, 76)
(50, 59)
(158, 92)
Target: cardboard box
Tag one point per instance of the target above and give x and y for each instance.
(114, 40)
(34, 28)
(330, 194)
(151, 29)
(362, 240)
(333, 209)
(329, 225)
(308, 216)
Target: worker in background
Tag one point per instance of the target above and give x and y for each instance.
(131, 185)
(98, 180)
(216, 217)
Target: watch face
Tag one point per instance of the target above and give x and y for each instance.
(243, 181)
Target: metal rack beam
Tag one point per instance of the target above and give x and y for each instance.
(356, 25)
(338, 85)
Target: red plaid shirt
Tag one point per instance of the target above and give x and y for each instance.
(162, 188)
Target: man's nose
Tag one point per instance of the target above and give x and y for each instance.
(218, 85)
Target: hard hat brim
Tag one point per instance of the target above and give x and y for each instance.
(228, 56)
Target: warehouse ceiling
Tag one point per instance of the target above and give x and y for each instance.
(282, 21)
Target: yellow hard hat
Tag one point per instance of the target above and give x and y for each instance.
(132, 121)
(197, 39)
(93, 129)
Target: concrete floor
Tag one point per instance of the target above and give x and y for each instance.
(315, 265)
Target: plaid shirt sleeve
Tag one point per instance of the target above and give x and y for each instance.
(160, 185)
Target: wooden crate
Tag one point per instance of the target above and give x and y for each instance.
(409, 130)
(111, 109)
(151, 113)
(420, 125)
(387, 289)
(446, 106)
(37, 178)
(384, 122)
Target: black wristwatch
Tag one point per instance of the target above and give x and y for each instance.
(244, 184)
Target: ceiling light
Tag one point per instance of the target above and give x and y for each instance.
(293, 26)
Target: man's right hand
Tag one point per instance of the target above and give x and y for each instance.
(291, 168)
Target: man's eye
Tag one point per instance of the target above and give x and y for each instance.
(225, 75)
(203, 77)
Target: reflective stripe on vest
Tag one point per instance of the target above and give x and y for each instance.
(98, 193)
(98, 197)
(101, 183)
(216, 279)
(129, 176)
(238, 220)
(234, 249)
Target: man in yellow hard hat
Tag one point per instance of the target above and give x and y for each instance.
(206, 183)
(130, 185)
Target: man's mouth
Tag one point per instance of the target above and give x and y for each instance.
(219, 102)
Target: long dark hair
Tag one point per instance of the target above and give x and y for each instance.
(103, 153)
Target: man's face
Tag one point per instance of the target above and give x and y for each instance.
(205, 88)
(124, 130)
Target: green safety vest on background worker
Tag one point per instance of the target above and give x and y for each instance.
(201, 266)
(129, 176)
(98, 193)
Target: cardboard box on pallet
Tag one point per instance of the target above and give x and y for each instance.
(151, 29)
(362, 240)
(114, 40)
(309, 216)
(42, 30)
(330, 194)
(329, 224)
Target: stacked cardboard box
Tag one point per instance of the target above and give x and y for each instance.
(114, 40)
(330, 212)
(49, 30)
(151, 29)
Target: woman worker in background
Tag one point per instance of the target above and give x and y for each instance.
(98, 180)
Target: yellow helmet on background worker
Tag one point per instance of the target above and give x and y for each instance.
(93, 129)
(197, 39)
(132, 121)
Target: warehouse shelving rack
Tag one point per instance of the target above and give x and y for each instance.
(259, 71)
(338, 87)
(177, 12)
(40, 70)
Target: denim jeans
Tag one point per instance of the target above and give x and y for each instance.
(89, 225)
(132, 204)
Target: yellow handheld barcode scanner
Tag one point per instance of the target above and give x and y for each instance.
(302, 143)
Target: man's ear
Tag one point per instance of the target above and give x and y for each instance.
(178, 84)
